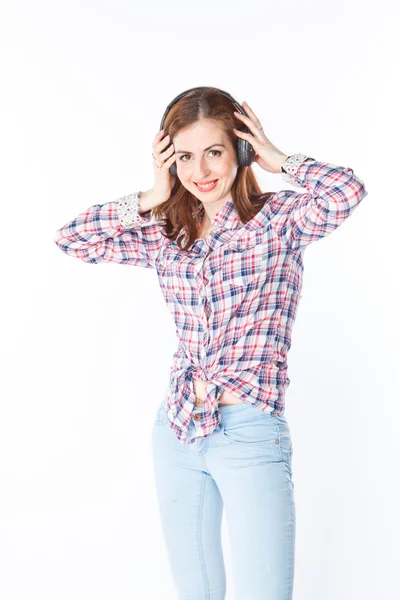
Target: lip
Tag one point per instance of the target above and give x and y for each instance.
(208, 189)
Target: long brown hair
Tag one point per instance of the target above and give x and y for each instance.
(183, 209)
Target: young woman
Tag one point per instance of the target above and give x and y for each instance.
(229, 261)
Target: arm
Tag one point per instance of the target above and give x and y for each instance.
(113, 232)
(332, 195)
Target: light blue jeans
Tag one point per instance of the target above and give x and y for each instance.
(245, 467)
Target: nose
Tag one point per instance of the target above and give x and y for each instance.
(201, 169)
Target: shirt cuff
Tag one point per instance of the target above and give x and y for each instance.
(290, 167)
(128, 211)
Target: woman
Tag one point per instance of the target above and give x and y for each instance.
(229, 260)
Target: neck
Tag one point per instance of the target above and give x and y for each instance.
(210, 211)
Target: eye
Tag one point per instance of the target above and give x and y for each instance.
(183, 155)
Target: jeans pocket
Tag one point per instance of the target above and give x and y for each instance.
(260, 431)
(161, 415)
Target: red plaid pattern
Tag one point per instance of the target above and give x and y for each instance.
(233, 296)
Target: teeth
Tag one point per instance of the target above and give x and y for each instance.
(206, 186)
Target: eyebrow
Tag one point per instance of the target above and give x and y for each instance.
(205, 149)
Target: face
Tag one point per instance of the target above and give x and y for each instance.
(204, 153)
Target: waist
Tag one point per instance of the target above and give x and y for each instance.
(226, 397)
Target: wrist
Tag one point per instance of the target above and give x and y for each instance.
(146, 202)
(281, 161)
(149, 199)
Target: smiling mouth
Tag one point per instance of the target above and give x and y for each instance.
(207, 185)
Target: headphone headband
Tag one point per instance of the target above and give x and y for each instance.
(175, 100)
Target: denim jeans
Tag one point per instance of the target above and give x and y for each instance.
(245, 468)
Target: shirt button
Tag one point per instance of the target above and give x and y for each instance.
(276, 441)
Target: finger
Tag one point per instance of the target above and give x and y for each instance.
(170, 160)
(166, 164)
(251, 113)
(257, 133)
(164, 156)
(162, 144)
(254, 126)
(248, 121)
(247, 136)
(167, 152)
(158, 137)
(253, 116)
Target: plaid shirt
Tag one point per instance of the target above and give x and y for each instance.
(233, 296)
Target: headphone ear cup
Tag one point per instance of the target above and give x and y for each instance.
(173, 170)
(245, 153)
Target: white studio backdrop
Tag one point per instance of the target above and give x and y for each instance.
(86, 349)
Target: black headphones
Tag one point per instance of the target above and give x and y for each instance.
(245, 151)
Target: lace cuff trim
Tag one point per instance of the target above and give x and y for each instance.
(290, 167)
(128, 210)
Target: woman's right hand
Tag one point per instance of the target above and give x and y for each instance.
(163, 159)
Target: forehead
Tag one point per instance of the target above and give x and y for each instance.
(199, 133)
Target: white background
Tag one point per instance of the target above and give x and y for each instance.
(86, 349)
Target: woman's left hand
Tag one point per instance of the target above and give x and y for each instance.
(268, 156)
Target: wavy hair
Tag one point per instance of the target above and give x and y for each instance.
(183, 210)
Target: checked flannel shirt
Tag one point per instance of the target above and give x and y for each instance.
(234, 295)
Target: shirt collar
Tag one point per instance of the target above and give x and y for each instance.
(225, 222)
(227, 217)
(227, 227)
